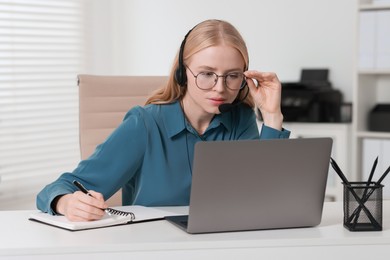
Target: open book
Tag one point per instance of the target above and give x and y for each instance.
(124, 215)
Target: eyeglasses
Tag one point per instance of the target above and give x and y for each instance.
(206, 80)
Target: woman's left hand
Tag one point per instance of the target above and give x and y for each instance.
(267, 96)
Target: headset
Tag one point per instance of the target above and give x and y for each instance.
(180, 73)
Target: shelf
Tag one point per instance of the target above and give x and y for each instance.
(369, 7)
(374, 71)
(372, 82)
(364, 134)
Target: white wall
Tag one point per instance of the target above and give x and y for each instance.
(141, 37)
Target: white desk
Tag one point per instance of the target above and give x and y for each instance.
(24, 239)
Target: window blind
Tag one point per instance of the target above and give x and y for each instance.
(41, 53)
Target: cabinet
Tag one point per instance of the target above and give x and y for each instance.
(372, 78)
(373, 147)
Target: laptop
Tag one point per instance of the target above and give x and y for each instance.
(257, 184)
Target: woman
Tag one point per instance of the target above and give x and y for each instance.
(150, 154)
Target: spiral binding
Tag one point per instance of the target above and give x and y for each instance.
(117, 212)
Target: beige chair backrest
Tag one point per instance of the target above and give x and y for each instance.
(103, 103)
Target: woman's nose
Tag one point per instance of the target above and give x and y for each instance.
(220, 84)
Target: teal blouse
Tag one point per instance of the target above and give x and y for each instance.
(150, 155)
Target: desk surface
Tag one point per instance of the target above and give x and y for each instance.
(162, 240)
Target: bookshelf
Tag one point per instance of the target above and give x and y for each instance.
(372, 84)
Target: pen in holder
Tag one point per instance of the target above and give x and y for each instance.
(363, 206)
(362, 201)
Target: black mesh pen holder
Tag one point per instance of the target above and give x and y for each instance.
(363, 206)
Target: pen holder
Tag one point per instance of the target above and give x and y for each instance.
(363, 206)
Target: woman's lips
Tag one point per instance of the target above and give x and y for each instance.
(217, 101)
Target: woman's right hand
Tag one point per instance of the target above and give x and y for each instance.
(81, 207)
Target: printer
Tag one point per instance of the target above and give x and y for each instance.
(312, 99)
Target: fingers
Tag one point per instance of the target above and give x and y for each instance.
(251, 85)
(99, 199)
(261, 76)
(268, 86)
(92, 205)
(84, 207)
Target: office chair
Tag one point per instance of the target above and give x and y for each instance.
(103, 103)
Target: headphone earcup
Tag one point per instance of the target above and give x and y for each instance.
(180, 76)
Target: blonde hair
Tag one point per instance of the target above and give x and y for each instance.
(206, 34)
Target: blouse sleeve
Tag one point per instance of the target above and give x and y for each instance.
(113, 163)
(271, 133)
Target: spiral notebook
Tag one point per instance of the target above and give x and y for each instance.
(119, 216)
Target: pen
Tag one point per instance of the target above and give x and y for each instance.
(372, 171)
(368, 195)
(81, 187)
(357, 214)
(85, 191)
(384, 175)
(358, 200)
(109, 211)
(338, 171)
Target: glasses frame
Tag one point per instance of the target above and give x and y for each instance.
(243, 83)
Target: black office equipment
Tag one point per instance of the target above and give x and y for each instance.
(317, 78)
(379, 118)
(312, 99)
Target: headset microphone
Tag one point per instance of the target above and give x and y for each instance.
(226, 107)
(229, 106)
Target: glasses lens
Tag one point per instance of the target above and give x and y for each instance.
(206, 80)
(234, 80)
